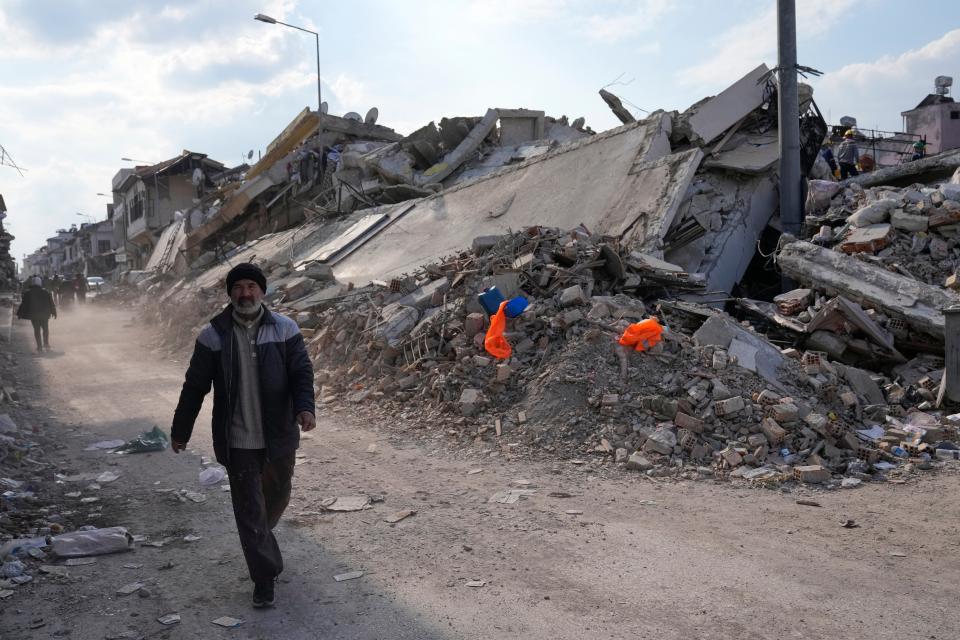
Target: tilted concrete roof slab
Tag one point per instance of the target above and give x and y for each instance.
(717, 114)
(607, 182)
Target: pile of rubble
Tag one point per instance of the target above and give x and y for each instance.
(712, 398)
(913, 231)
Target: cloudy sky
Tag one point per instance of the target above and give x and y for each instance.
(87, 82)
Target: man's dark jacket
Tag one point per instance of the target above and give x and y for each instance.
(286, 383)
(37, 304)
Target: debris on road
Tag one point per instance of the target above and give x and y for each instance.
(397, 516)
(227, 622)
(350, 575)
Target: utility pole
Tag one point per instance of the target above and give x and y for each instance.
(788, 105)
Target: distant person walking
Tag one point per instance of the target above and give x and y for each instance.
(827, 154)
(262, 381)
(79, 285)
(37, 306)
(848, 155)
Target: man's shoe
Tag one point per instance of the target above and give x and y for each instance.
(263, 595)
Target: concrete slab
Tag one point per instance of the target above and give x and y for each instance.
(330, 250)
(755, 353)
(590, 182)
(708, 120)
(756, 154)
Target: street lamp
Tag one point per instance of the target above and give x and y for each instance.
(85, 215)
(267, 19)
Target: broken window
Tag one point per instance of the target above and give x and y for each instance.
(955, 115)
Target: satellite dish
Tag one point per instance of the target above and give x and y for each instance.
(352, 115)
(943, 84)
(250, 154)
(372, 115)
(324, 107)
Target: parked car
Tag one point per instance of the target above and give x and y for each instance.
(95, 285)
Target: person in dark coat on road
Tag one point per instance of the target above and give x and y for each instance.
(37, 306)
(262, 381)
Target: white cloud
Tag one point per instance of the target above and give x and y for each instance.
(513, 12)
(618, 27)
(876, 92)
(747, 44)
(351, 94)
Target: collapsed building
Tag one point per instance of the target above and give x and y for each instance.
(379, 245)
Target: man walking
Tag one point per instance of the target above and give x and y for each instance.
(848, 155)
(262, 389)
(37, 306)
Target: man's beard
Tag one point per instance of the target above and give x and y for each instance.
(247, 307)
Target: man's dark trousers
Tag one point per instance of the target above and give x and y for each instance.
(848, 170)
(41, 327)
(260, 491)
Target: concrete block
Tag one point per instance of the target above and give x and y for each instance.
(903, 221)
(811, 474)
(638, 462)
(729, 406)
(869, 239)
(474, 324)
(469, 401)
(731, 457)
(685, 421)
(297, 287)
(784, 412)
(573, 296)
(773, 431)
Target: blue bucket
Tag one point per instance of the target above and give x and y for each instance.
(490, 300)
(515, 307)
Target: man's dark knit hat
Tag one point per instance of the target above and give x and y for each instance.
(247, 271)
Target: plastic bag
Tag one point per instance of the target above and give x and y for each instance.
(153, 440)
(94, 542)
(642, 335)
(494, 342)
(211, 476)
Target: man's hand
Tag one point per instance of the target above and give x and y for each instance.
(306, 420)
(177, 446)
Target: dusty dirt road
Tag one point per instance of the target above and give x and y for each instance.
(644, 559)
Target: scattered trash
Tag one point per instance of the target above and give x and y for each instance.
(170, 618)
(12, 569)
(228, 622)
(5, 593)
(511, 496)
(212, 475)
(54, 570)
(79, 562)
(350, 575)
(474, 472)
(191, 538)
(573, 512)
(105, 444)
(476, 583)
(349, 503)
(93, 542)
(809, 503)
(397, 516)
(194, 496)
(146, 442)
(849, 524)
(897, 554)
(107, 476)
(131, 588)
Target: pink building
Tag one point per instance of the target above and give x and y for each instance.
(936, 118)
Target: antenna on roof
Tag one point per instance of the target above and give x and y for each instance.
(942, 84)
